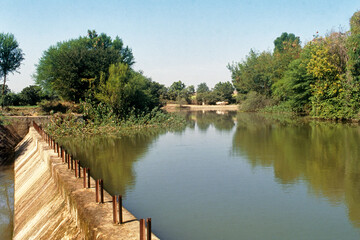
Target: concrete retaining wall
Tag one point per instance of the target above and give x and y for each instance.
(50, 203)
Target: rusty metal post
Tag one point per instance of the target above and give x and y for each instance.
(88, 172)
(76, 171)
(79, 169)
(71, 161)
(114, 209)
(97, 190)
(120, 210)
(142, 229)
(148, 228)
(68, 160)
(102, 190)
(84, 173)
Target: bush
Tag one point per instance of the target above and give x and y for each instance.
(57, 106)
(254, 102)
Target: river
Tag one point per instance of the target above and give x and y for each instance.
(231, 175)
(6, 201)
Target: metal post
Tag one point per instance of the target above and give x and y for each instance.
(114, 209)
(97, 190)
(102, 190)
(76, 172)
(68, 160)
(88, 172)
(71, 160)
(142, 229)
(149, 229)
(84, 173)
(120, 210)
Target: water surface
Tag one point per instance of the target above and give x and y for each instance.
(6, 201)
(236, 176)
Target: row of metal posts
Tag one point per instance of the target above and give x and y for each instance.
(99, 185)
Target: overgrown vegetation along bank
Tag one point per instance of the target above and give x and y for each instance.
(321, 78)
(81, 126)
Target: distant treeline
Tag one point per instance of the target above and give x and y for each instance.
(29, 96)
(321, 78)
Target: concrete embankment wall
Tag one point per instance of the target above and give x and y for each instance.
(12, 132)
(50, 203)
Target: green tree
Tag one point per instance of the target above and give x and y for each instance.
(176, 91)
(327, 65)
(125, 90)
(282, 43)
(31, 95)
(202, 88)
(224, 91)
(11, 57)
(202, 93)
(71, 69)
(353, 63)
(10, 98)
(255, 73)
(287, 48)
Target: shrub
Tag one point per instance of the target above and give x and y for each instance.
(254, 102)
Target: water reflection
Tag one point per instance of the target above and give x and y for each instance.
(325, 155)
(6, 201)
(111, 158)
(221, 120)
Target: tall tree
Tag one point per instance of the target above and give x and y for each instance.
(202, 88)
(281, 43)
(72, 68)
(11, 57)
(224, 91)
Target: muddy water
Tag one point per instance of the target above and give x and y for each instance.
(6, 201)
(236, 176)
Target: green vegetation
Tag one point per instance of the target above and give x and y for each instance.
(321, 79)
(72, 69)
(11, 57)
(93, 76)
(29, 96)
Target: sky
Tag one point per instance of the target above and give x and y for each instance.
(192, 41)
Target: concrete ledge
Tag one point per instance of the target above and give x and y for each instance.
(50, 203)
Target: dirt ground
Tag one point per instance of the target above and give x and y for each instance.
(176, 107)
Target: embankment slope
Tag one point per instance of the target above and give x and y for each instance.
(50, 203)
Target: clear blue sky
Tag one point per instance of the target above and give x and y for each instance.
(191, 41)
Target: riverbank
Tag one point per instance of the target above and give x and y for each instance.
(189, 107)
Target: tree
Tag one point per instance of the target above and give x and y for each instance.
(71, 69)
(353, 51)
(254, 74)
(125, 90)
(202, 93)
(202, 88)
(31, 95)
(327, 65)
(176, 90)
(287, 48)
(11, 57)
(281, 43)
(224, 91)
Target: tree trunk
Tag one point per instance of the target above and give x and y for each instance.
(3, 93)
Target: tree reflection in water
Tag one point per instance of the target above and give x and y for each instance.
(326, 155)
